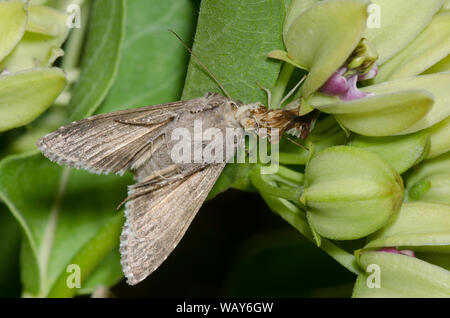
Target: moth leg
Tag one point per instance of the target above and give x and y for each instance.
(157, 180)
(269, 94)
(148, 188)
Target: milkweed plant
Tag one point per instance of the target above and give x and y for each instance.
(374, 171)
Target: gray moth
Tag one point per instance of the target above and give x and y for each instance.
(167, 194)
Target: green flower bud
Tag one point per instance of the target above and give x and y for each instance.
(350, 192)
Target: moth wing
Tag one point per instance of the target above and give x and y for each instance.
(156, 222)
(108, 143)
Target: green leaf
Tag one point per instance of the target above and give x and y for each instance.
(58, 214)
(229, 176)
(430, 47)
(100, 58)
(233, 39)
(401, 22)
(152, 60)
(9, 250)
(26, 95)
(402, 152)
(402, 276)
(90, 256)
(324, 36)
(13, 18)
(107, 273)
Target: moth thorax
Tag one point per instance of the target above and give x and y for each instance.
(264, 122)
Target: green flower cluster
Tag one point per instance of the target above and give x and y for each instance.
(31, 39)
(377, 169)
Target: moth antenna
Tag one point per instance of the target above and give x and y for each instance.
(269, 95)
(202, 65)
(291, 91)
(296, 143)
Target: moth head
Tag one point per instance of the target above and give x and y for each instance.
(272, 123)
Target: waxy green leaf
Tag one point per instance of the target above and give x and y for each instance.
(401, 276)
(324, 36)
(100, 59)
(401, 21)
(13, 18)
(248, 29)
(152, 61)
(402, 152)
(26, 95)
(58, 215)
(427, 49)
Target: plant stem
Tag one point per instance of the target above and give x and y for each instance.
(291, 175)
(266, 186)
(295, 217)
(281, 84)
